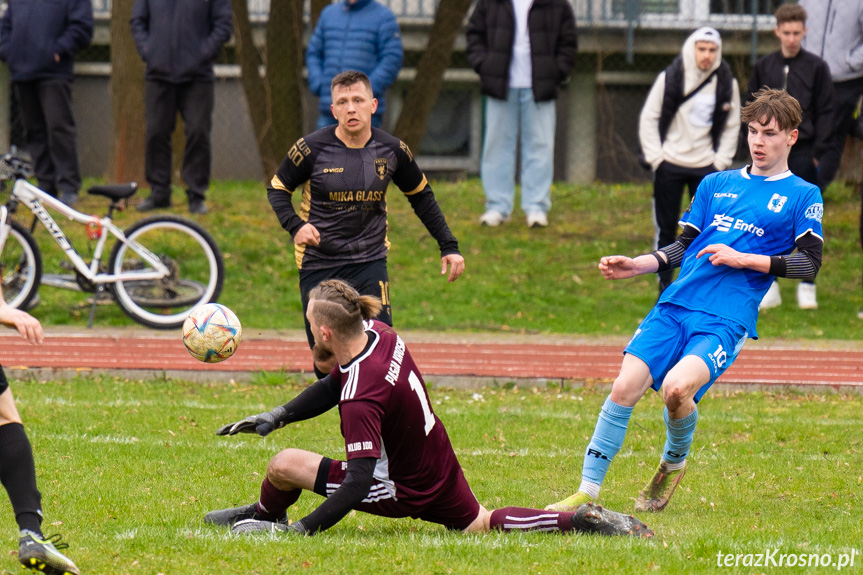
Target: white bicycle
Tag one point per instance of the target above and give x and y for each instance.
(159, 269)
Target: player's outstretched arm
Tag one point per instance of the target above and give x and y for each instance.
(27, 325)
(316, 399)
(722, 255)
(455, 262)
(263, 423)
(622, 267)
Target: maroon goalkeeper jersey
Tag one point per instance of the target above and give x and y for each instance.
(386, 414)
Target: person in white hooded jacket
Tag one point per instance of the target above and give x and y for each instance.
(688, 128)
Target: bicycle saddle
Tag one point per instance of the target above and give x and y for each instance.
(115, 191)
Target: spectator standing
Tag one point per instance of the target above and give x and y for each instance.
(38, 41)
(179, 40)
(806, 77)
(360, 35)
(836, 35)
(688, 128)
(523, 51)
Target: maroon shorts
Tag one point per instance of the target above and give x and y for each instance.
(455, 507)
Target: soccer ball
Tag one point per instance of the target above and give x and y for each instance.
(212, 333)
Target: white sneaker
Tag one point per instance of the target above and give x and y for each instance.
(772, 298)
(537, 220)
(860, 314)
(493, 218)
(806, 296)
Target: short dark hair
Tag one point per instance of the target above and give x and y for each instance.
(790, 13)
(342, 308)
(769, 104)
(349, 78)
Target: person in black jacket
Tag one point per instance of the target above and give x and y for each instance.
(38, 41)
(179, 40)
(523, 51)
(807, 78)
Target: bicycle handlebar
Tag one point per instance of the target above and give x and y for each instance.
(13, 167)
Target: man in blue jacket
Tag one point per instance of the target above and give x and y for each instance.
(38, 41)
(360, 35)
(179, 40)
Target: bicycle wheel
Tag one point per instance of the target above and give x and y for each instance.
(195, 264)
(20, 267)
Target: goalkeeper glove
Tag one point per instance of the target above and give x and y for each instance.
(262, 424)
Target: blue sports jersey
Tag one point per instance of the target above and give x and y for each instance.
(751, 214)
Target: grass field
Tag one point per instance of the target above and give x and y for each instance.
(518, 280)
(128, 468)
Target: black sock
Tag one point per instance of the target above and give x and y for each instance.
(18, 476)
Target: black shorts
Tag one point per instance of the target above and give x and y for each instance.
(368, 278)
(4, 383)
(455, 507)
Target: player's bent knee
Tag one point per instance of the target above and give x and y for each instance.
(294, 469)
(675, 395)
(626, 392)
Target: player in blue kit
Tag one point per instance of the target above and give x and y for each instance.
(740, 231)
(399, 459)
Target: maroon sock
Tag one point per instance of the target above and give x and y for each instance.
(524, 519)
(274, 502)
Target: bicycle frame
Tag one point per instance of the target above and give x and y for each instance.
(37, 200)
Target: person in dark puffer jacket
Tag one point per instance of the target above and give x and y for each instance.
(179, 40)
(39, 40)
(523, 51)
(360, 35)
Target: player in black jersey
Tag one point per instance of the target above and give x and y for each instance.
(399, 459)
(341, 228)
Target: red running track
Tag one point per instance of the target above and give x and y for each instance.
(527, 358)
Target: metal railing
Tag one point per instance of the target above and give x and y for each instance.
(610, 13)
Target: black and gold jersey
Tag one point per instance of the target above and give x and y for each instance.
(344, 195)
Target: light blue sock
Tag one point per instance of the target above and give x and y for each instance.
(678, 434)
(606, 441)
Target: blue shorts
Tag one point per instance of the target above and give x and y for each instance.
(670, 332)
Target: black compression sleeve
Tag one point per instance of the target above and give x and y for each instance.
(427, 209)
(280, 200)
(675, 250)
(358, 480)
(316, 399)
(804, 263)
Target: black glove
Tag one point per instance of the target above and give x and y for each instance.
(262, 424)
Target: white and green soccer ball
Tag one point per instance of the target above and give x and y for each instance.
(212, 333)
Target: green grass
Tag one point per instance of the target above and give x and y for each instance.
(128, 468)
(518, 280)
